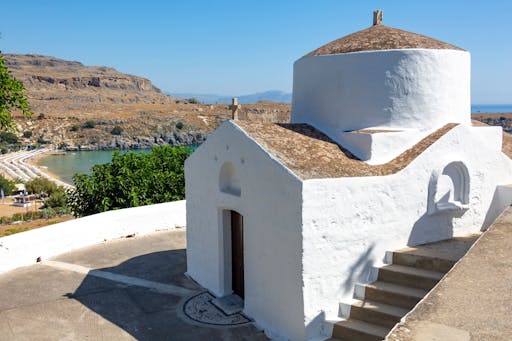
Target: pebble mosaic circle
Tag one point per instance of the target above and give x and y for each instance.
(201, 309)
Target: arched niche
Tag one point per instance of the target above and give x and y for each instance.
(449, 190)
(229, 181)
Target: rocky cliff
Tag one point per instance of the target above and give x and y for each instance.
(53, 79)
(96, 107)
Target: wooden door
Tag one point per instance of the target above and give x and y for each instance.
(237, 253)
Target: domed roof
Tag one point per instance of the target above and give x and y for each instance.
(380, 37)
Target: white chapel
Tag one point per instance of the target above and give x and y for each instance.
(380, 154)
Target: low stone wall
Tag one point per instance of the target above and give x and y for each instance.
(24, 248)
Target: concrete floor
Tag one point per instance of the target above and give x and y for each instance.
(120, 290)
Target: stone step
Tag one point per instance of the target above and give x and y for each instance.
(355, 330)
(422, 260)
(393, 294)
(409, 276)
(377, 312)
(439, 256)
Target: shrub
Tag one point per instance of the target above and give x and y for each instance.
(58, 198)
(41, 140)
(41, 186)
(27, 134)
(193, 100)
(117, 130)
(131, 180)
(75, 127)
(8, 137)
(7, 185)
(41, 214)
(89, 124)
(41, 116)
(179, 125)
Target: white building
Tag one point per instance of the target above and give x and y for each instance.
(380, 154)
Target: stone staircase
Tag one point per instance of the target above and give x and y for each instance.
(413, 272)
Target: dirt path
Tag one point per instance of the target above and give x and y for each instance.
(7, 209)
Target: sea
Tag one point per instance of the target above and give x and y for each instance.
(491, 108)
(64, 166)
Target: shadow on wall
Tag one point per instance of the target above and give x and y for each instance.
(360, 270)
(430, 228)
(501, 199)
(447, 199)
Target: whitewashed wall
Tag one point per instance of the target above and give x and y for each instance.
(24, 248)
(349, 223)
(414, 88)
(270, 202)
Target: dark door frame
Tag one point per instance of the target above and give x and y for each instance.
(237, 254)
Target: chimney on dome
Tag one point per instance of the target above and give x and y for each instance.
(377, 17)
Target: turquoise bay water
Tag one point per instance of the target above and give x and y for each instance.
(67, 165)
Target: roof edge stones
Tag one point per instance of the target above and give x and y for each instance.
(310, 154)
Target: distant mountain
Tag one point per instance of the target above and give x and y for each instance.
(272, 96)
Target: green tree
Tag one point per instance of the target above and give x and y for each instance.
(41, 186)
(6, 185)
(12, 97)
(131, 180)
(58, 198)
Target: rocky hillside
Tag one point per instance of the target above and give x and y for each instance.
(52, 79)
(97, 107)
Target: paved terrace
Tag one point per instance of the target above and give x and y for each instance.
(124, 289)
(474, 300)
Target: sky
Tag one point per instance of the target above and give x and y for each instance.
(236, 47)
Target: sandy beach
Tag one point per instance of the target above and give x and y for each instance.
(34, 161)
(23, 165)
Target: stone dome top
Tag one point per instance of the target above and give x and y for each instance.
(380, 37)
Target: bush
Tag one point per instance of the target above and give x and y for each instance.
(117, 130)
(41, 214)
(193, 100)
(41, 140)
(41, 116)
(27, 134)
(7, 185)
(8, 137)
(75, 127)
(57, 199)
(41, 186)
(131, 180)
(179, 125)
(89, 124)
